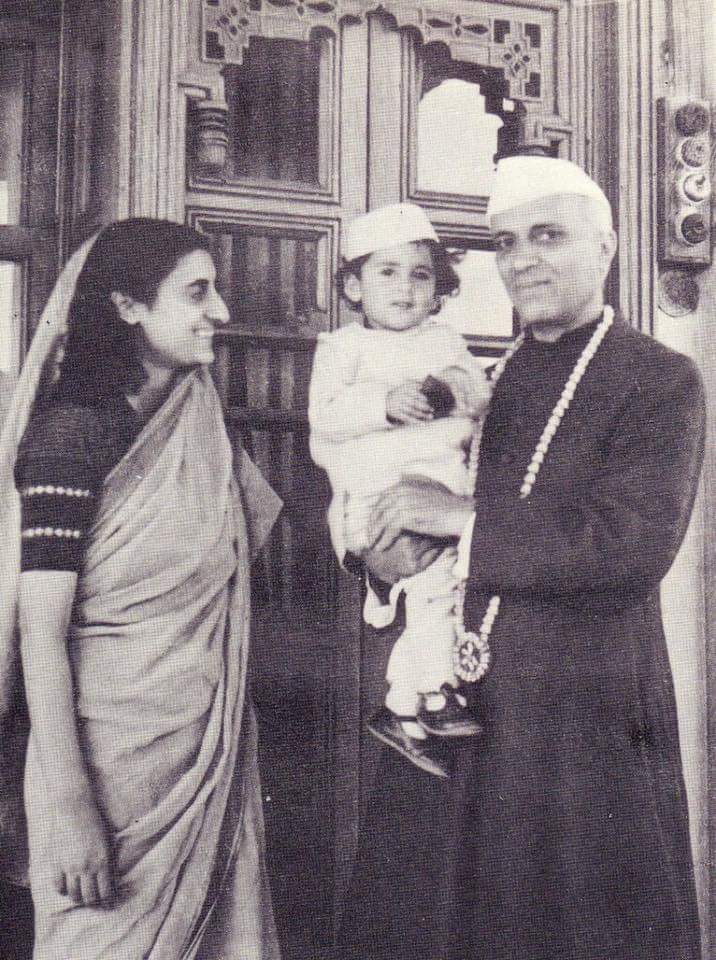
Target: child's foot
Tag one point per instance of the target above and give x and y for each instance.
(393, 731)
(445, 714)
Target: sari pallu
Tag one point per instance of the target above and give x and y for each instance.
(41, 365)
(159, 646)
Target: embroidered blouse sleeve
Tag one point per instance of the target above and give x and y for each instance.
(58, 476)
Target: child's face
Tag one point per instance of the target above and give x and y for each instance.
(396, 287)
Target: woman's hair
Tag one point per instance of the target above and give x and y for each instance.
(446, 280)
(133, 257)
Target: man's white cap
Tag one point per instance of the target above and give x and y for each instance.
(386, 227)
(524, 179)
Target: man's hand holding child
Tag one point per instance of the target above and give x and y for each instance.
(471, 391)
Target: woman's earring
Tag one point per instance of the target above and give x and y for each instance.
(437, 304)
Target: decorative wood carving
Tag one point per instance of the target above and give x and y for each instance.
(479, 33)
(211, 131)
(533, 138)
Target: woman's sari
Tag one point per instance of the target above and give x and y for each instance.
(42, 363)
(159, 646)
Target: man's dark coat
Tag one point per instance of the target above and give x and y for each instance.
(564, 831)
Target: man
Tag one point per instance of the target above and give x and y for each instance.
(568, 821)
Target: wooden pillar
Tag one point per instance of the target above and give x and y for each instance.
(158, 72)
(666, 48)
(684, 49)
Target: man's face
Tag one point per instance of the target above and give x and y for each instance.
(553, 260)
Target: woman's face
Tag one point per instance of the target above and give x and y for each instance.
(177, 330)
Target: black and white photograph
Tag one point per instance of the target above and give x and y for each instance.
(357, 480)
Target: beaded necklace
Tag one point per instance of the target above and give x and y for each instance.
(472, 655)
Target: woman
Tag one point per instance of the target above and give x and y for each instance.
(141, 787)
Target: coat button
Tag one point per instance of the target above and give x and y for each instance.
(507, 459)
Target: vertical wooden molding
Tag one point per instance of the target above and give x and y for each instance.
(116, 203)
(631, 154)
(691, 35)
(159, 70)
(156, 48)
(581, 103)
(620, 45)
(146, 68)
(615, 95)
(595, 99)
(635, 221)
(689, 31)
(708, 305)
(387, 49)
(682, 51)
(690, 24)
(348, 732)
(167, 102)
(184, 78)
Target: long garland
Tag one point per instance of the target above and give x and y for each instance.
(472, 656)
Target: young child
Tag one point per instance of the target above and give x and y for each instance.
(395, 395)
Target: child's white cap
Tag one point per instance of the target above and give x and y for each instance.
(386, 227)
(524, 179)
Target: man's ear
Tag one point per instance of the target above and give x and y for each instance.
(351, 288)
(127, 308)
(609, 245)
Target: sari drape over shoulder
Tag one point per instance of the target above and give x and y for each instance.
(41, 364)
(159, 648)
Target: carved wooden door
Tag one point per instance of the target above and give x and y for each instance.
(332, 110)
(295, 169)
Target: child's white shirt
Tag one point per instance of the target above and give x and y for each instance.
(354, 370)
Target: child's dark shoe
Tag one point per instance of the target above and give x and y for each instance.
(449, 717)
(387, 727)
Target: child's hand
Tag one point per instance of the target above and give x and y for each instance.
(406, 404)
(470, 388)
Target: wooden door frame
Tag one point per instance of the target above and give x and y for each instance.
(634, 53)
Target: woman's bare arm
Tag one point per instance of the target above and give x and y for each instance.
(81, 854)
